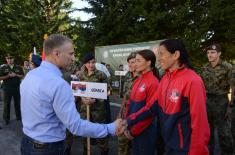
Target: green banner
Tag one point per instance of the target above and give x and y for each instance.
(117, 54)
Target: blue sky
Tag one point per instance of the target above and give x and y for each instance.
(80, 4)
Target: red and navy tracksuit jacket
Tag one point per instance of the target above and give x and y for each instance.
(182, 112)
(140, 108)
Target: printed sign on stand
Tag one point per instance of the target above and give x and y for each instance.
(120, 73)
(89, 89)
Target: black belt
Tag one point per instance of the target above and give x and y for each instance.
(41, 145)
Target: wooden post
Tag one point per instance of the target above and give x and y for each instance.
(88, 138)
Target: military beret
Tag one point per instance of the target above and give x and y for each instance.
(216, 47)
(87, 57)
(36, 60)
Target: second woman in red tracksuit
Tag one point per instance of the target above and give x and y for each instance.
(141, 106)
(181, 103)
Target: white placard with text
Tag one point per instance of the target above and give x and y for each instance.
(120, 73)
(89, 89)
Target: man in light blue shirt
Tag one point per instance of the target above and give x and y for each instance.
(48, 107)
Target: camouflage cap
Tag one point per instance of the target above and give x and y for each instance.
(216, 47)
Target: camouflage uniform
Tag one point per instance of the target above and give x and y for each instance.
(217, 81)
(11, 88)
(97, 109)
(123, 142)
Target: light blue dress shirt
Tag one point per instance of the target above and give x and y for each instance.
(48, 108)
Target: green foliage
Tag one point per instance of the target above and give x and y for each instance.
(197, 22)
(24, 22)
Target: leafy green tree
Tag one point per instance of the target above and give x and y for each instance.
(24, 23)
(197, 22)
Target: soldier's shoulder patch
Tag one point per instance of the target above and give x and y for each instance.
(205, 66)
(226, 65)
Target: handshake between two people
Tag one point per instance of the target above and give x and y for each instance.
(121, 128)
(121, 124)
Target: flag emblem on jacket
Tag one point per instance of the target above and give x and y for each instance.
(174, 96)
(142, 88)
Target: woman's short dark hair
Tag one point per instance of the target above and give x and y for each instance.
(131, 56)
(173, 45)
(148, 55)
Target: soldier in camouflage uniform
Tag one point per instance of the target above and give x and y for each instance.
(97, 106)
(11, 75)
(217, 79)
(123, 142)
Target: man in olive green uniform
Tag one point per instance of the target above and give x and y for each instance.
(97, 106)
(123, 142)
(217, 79)
(11, 75)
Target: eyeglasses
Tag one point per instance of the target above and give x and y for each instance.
(9, 58)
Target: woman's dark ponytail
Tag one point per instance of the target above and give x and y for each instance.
(156, 72)
(148, 55)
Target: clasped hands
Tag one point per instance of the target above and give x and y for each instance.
(121, 124)
(121, 128)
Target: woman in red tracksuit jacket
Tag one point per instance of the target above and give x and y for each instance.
(181, 103)
(140, 108)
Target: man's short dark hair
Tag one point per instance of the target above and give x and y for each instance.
(53, 41)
